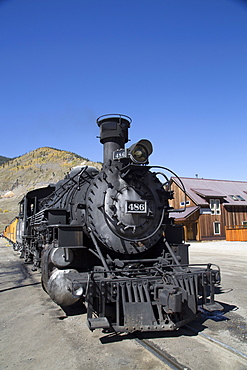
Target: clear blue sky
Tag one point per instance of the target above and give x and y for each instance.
(178, 68)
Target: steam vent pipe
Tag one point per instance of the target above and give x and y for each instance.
(113, 133)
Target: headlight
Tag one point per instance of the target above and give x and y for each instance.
(139, 154)
(140, 151)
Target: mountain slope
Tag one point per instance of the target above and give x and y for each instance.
(35, 169)
(3, 159)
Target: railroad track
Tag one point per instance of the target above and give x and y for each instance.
(168, 360)
(219, 343)
(172, 363)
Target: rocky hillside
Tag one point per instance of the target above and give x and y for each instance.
(3, 159)
(35, 169)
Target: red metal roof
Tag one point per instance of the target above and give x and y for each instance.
(205, 193)
(201, 190)
(185, 214)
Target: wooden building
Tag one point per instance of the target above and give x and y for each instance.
(215, 209)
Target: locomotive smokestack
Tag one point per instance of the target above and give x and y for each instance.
(113, 133)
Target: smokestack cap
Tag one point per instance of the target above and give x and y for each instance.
(113, 126)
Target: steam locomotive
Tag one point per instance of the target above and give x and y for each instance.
(107, 238)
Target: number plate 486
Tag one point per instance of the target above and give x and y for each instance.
(137, 206)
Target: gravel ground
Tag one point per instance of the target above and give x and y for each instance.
(232, 259)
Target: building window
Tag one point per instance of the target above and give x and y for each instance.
(182, 204)
(236, 197)
(215, 206)
(244, 223)
(239, 197)
(233, 197)
(216, 228)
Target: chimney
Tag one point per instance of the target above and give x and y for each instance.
(113, 133)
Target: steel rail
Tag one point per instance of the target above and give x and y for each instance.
(161, 355)
(219, 343)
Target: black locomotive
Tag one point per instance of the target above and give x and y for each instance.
(106, 238)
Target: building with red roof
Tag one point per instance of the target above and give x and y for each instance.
(210, 209)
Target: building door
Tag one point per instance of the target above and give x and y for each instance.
(191, 231)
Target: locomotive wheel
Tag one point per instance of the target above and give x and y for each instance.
(46, 266)
(43, 285)
(16, 247)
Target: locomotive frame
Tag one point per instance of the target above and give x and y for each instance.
(106, 238)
